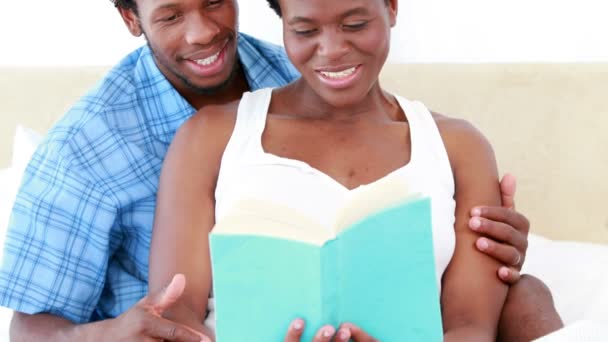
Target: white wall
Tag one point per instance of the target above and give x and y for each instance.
(90, 32)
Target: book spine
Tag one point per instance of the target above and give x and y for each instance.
(330, 299)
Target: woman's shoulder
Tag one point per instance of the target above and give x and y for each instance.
(461, 137)
(211, 117)
(204, 137)
(210, 123)
(452, 126)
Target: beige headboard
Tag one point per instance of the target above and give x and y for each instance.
(37, 97)
(547, 123)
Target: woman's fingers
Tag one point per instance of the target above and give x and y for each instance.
(296, 329)
(294, 333)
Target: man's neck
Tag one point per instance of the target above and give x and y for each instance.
(231, 92)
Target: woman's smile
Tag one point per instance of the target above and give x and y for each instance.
(339, 78)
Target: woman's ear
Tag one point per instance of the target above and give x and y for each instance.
(131, 20)
(393, 6)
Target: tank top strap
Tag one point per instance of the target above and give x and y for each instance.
(427, 148)
(252, 113)
(249, 126)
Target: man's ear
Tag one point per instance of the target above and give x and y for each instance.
(131, 20)
(393, 6)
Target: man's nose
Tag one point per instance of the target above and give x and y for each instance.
(200, 29)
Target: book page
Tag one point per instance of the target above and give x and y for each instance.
(264, 218)
(373, 198)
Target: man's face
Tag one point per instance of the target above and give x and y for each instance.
(194, 41)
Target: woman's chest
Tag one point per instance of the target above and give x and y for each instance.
(351, 156)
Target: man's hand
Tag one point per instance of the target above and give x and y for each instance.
(505, 230)
(144, 321)
(327, 333)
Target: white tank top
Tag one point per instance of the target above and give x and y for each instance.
(248, 172)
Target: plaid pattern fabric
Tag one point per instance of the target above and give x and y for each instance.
(78, 238)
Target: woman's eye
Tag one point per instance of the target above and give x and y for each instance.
(304, 32)
(214, 3)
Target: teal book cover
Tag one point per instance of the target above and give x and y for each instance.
(377, 271)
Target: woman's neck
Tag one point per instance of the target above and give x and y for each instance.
(302, 100)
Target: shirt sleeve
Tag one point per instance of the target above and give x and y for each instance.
(58, 241)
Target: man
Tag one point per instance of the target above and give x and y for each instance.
(76, 254)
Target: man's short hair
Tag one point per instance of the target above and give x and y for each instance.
(274, 4)
(126, 4)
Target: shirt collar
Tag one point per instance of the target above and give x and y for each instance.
(265, 65)
(165, 110)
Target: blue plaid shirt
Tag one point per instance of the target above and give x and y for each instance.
(78, 238)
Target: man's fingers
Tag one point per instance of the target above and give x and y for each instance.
(172, 292)
(503, 215)
(357, 334)
(505, 254)
(499, 232)
(508, 185)
(167, 296)
(294, 333)
(509, 275)
(160, 328)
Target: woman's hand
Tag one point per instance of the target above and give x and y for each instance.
(328, 333)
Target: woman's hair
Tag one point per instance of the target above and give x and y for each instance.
(274, 4)
(126, 4)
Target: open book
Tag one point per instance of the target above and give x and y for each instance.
(375, 268)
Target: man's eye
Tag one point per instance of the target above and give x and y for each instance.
(214, 3)
(355, 26)
(170, 18)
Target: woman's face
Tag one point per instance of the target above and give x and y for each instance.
(339, 46)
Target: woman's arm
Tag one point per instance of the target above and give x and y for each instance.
(472, 296)
(185, 211)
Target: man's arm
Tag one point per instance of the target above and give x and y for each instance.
(144, 320)
(46, 327)
(56, 257)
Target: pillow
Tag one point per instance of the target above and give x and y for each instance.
(585, 330)
(7, 195)
(576, 274)
(25, 143)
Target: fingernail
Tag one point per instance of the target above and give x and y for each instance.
(344, 334)
(483, 244)
(476, 212)
(504, 272)
(327, 332)
(475, 223)
(297, 325)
